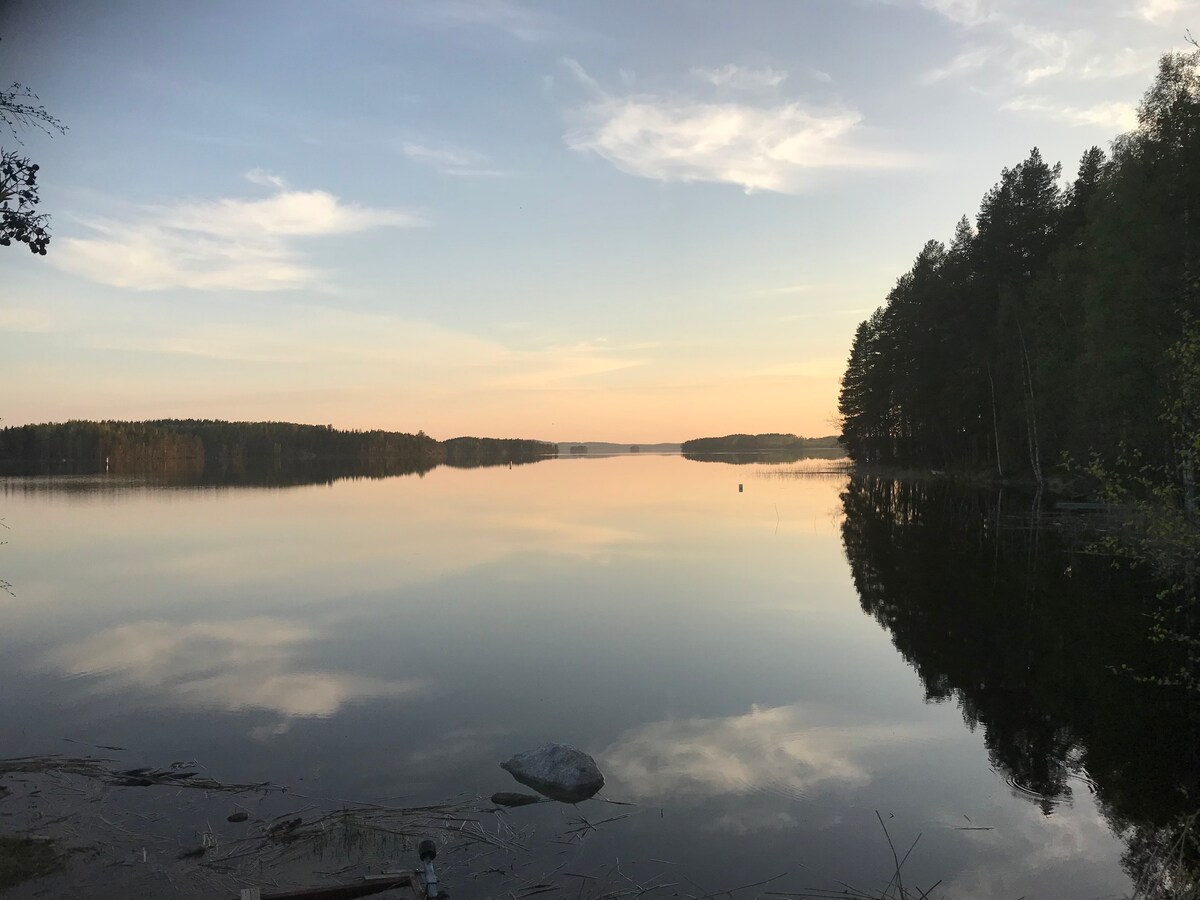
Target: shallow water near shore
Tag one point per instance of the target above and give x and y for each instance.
(760, 670)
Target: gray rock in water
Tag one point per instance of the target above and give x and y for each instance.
(557, 771)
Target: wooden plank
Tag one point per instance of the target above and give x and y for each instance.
(407, 885)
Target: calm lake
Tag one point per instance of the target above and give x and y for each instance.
(759, 671)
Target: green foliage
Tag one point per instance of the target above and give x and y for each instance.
(1162, 523)
(749, 443)
(469, 452)
(128, 446)
(233, 447)
(1056, 325)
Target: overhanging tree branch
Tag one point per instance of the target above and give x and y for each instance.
(20, 109)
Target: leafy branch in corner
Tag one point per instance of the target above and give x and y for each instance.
(20, 109)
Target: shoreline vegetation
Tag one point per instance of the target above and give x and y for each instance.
(1058, 335)
(200, 446)
(760, 448)
(1056, 343)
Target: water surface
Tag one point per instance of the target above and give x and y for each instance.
(760, 671)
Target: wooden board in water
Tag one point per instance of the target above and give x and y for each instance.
(403, 887)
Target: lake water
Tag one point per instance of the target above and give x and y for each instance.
(759, 671)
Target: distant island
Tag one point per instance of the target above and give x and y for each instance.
(746, 448)
(609, 448)
(211, 445)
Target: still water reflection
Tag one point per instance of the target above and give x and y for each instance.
(399, 637)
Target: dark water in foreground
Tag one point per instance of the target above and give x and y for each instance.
(760, 672)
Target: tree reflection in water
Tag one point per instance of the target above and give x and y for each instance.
(1013, 620)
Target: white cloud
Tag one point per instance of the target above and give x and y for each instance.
(1040, 54)
(966, 61)
(766, 147)
(223, 244)
(741, 78)
(1118, 116)
(265, 179)
(1021, 44)
(1120, 64)
(963, 12)
(448, 160)
(1160, 10)
(287, 214)
(581, 75)
(1016, 45)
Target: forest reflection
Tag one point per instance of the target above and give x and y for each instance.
(183, 472)
(1028, 631)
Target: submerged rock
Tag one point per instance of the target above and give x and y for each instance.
(507, 798)
(557, 771)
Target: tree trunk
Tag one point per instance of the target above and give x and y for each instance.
(995, 421)
(1035, 450)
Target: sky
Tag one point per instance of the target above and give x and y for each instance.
(622, 220)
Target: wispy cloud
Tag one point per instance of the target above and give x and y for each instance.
(772, 147)
(741, 78)
(1157, 11)
(237, 244)
(356, 341)
(530, 26)
(963, 12)
(1110, 116)
(1041, 54)
(1019, 45)
(264, 178)
(967, 61)
(449, 160)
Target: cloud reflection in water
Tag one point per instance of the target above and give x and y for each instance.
(230, 665)
(784, 750)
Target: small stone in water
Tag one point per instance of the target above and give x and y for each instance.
(557, 771)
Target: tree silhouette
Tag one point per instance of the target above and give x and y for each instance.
(19, 219)
(1045, 332)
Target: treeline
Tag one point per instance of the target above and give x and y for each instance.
(469, 452)
(1062, 323)
(207, 443)
(750, 443)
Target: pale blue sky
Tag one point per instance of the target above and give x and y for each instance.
(621, 220)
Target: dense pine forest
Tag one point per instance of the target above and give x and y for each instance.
(748, 449)
(1059, 328)
(744, 443)
(132, 446)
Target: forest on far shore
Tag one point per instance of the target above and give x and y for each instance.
(1059, 329)
(129, 446)
(749, 443)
